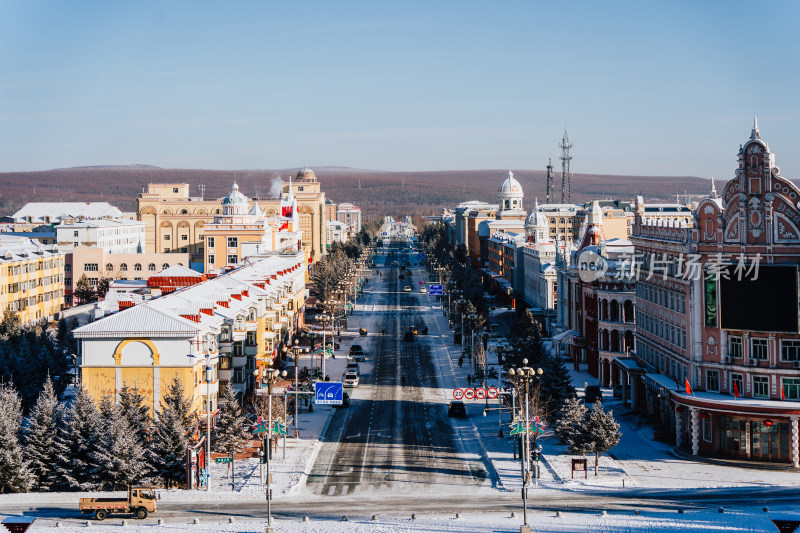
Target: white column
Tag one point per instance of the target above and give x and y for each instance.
(795, 442)
(156, 389)
(695, 430)
(678, 429)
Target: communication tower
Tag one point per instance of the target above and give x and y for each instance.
(566, 157)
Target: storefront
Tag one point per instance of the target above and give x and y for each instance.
(718, 425)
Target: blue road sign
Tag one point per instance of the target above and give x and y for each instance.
(435, 290)
(385, 234)
(328, 393)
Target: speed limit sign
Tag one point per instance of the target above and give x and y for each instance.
(469, 394)
(458, 394)
(492, 393)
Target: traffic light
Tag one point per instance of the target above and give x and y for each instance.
(263, 455)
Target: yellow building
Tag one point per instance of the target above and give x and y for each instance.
(31, 278)
(175, 221)
(237, 320)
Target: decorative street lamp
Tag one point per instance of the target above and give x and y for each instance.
(270, 376)
(208, 410)
(296, 351)
(524, 376)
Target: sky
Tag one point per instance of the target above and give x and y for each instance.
(643, 88)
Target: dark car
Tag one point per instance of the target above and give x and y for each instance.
(356, 349)
(457, 409)
(408, 336)
(592, 394)
(345, 401)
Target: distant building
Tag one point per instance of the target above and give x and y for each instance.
(54, 212)
(113, 236)
(350, 216)
(337, 232)
(539, 272)
(31, 278)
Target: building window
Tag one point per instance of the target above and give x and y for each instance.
(735, 347)
(93, 282)
(706, 429)
(791, 388)
(211, 259)
(137, 267)
(712, 380)
(184, 212)
(175, 190)
(68, 281)
(165, 266)
(151, 267)
(67, 268)
(109, 267)
(251, 338)
(737, 384)
(760, 387)
(91, 267)
(233, 242)
(233, 259)
(74, 233)
(760, 351)
(123, 267)
(790, 350)
(166, 237)
(210, 242)
(184, 237)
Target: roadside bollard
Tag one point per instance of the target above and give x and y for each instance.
(637, 512)
(513, 514)
(721, 510)
(306, 519)
(160, 521)
(458, 515)
(88, 524)
(559, 514)
(374, 517)
(196, 521)
(414, 516)
(603, 513)
(680, 511)
(124, 523)
(59, 524)
(231, 520)
(344, 519)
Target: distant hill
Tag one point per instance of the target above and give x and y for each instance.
(377, 192)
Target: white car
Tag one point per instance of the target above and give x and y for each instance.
(406, 289)
(350, 379)
(423, 290)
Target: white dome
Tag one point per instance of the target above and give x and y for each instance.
(511, 186)
(235, 198)
(536, 220)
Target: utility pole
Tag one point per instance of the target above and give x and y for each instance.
(566, 157)
(549, 180)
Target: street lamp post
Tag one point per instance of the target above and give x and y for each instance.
(270, 376)
(524, 376)
(208, 412)
(296, 351)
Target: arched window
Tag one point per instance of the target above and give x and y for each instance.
(123, 267)
(151, 267)
(137, 267)
(165, 266)
(184, 212)
(109, 267)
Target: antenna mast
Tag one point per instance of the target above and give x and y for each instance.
(202, 188)
(549, 180)
(566, 157)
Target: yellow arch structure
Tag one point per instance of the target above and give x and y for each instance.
(147, 342)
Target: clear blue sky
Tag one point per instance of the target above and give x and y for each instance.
(643, 87)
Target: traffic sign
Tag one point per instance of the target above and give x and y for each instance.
(492, 393)
(222, 460)
(328, 392)
(435, 290)
(480, 394)
(458, 394)
(469, 394)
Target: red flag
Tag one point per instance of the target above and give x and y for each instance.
(310, 260)
(688, 387)
(284, 226)
(736, 389)
(783, 396)
(286, 210)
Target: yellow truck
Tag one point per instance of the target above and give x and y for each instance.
(140, 501)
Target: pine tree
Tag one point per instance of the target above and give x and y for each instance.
(601, 432)
(77, 443)
(132, 407)
(170, 440)
(525, 340)
(568, 425)
(14, 473)
(556, 384)
(121, 459)
(231, 432)
(40, 445)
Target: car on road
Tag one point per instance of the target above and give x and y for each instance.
(406, 289)
(355, 350)
(350, 379)
(423, 290)
(457, 409)
(345, 401)
(352, 366)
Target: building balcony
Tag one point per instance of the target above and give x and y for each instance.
(213, 388)
(616, 324)
(239, 336)
(251, 349)
(239, 361)
(226, 347)
(251, 326)
(226, 375)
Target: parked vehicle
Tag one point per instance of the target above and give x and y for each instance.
(345, 401)
(457, 409)
(406, 289)
(350, 379)
(141, 500)
(362, 332)
(423, 290)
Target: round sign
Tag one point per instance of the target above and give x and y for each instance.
(492, 393)
(469, 394)
(458, 394)
(480, 394)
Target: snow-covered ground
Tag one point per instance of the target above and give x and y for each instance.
(704, 521)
